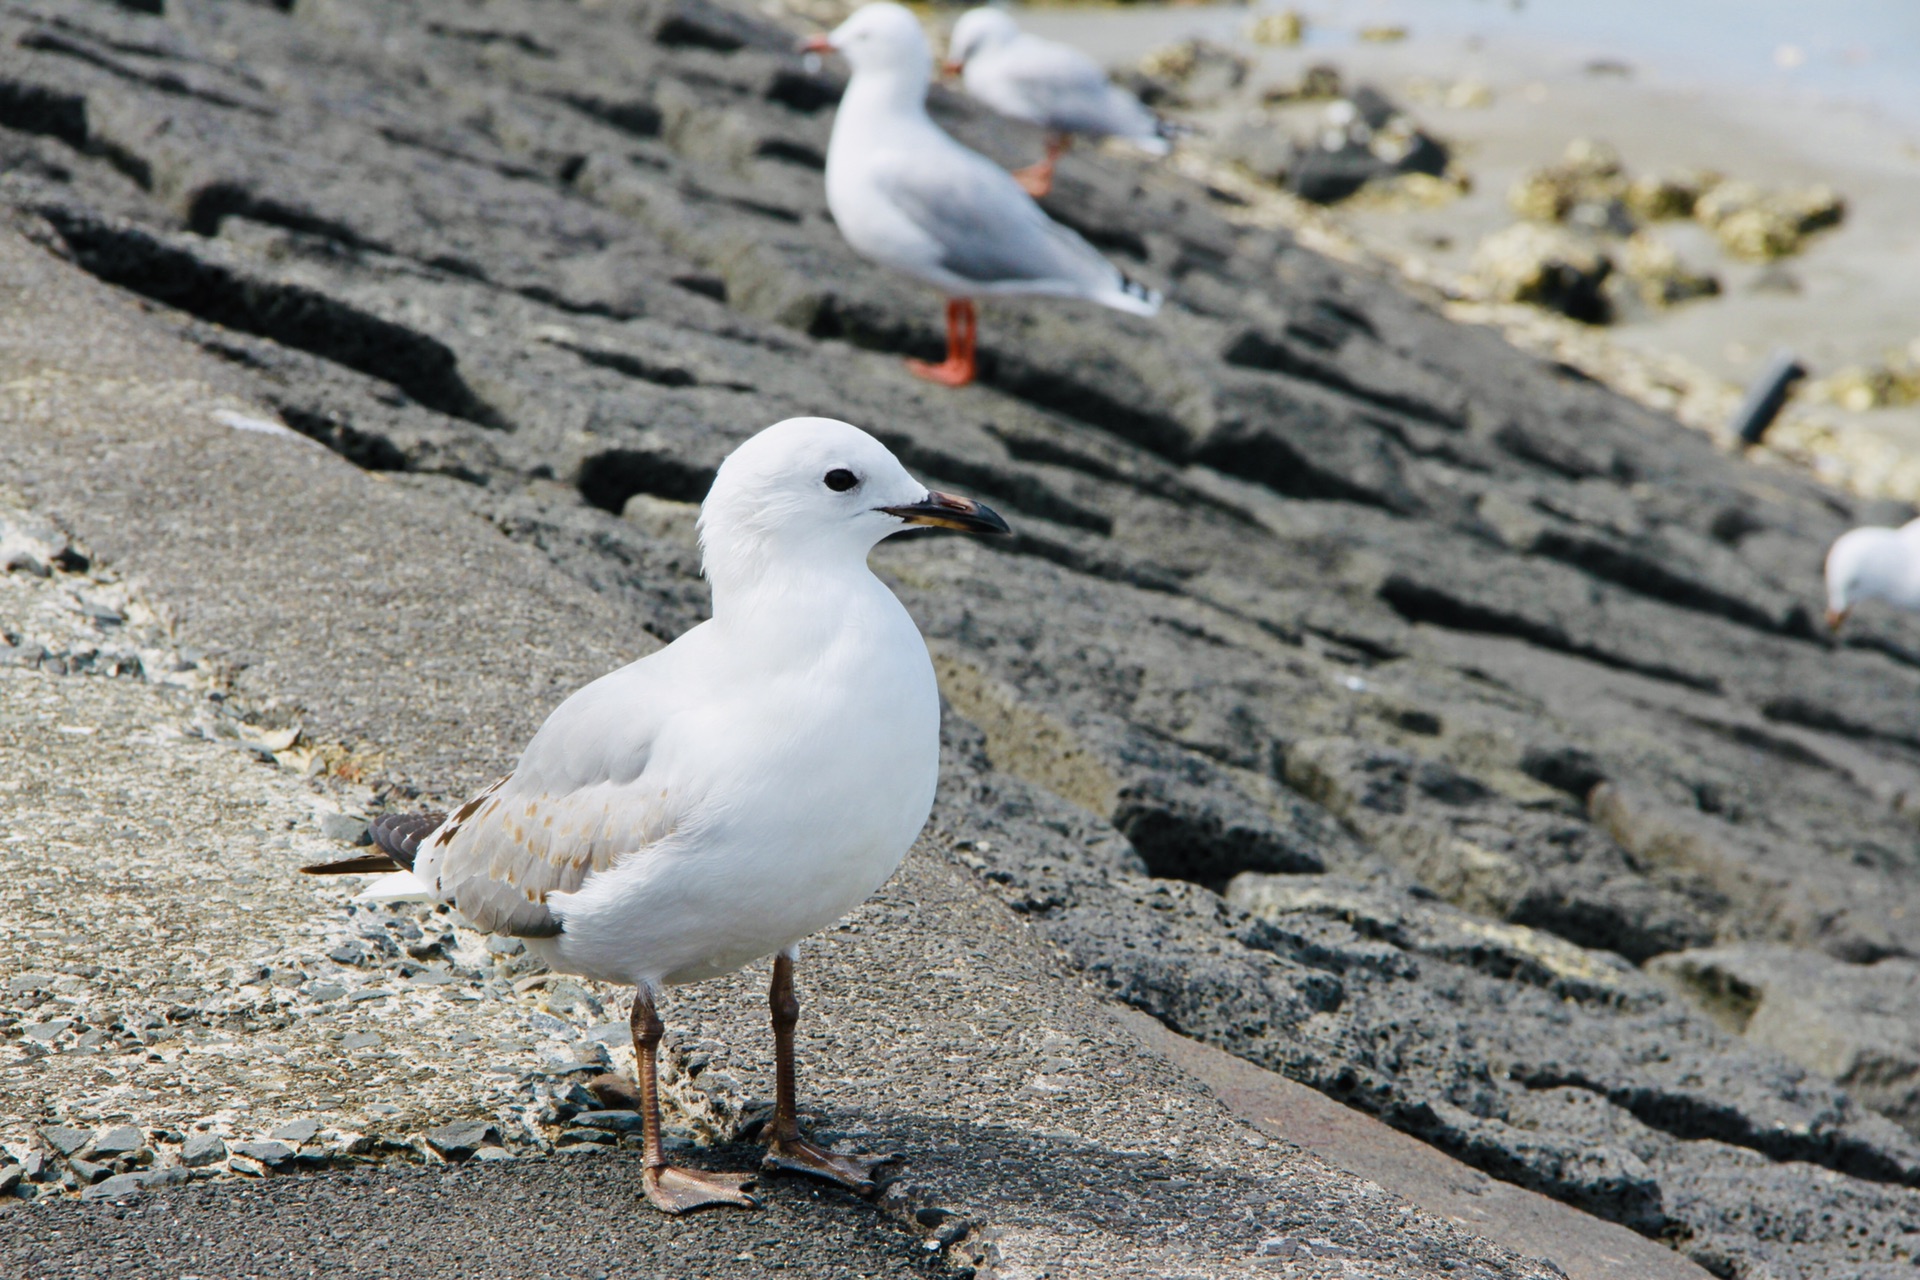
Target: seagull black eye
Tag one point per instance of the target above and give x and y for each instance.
(840, 479)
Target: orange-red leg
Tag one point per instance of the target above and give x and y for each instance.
(1038, 178)
(958, 369)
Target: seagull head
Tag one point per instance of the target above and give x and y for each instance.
(978, 29)
(1862, 563)
(816, 493)
(879, 37)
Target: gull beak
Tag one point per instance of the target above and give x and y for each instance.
(952, 68)
(1835, 617)
(816, 44)
(950, 511)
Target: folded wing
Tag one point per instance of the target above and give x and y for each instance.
(991, 234)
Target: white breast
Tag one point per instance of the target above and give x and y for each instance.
(828, 776)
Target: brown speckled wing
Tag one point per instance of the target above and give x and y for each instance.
(503, 852)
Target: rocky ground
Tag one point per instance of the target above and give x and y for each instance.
(1392, 709)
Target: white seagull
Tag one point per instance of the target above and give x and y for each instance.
(732, 793)
(909, 197)
(1874, 564)
(1046, 83)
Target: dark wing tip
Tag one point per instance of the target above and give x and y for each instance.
(366, 862)
(400, 834)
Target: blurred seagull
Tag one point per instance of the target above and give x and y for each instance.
(721, 799)
(1049, 84)
(906, 195)
(1874, 564)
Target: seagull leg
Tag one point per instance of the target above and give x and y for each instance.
(1038, 178)
(786, 1149)
(958, 369)
(669, 1188)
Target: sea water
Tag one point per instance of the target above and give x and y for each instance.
(1857, 52)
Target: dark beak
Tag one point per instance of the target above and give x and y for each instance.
(816, 44)
(950, 511)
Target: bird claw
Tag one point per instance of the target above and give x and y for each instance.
(678, 1190)
(1036, 180)
(797, 1155)
(948, 373)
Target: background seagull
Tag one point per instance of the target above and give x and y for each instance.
(906, 195)
(1873, 563)
(743, 787)
(1046, 83)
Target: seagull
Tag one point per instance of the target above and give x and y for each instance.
(909, 197)
(723, 798)
(1049, 84)
(1874, 564)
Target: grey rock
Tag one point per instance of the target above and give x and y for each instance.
(297, 1132)
(269, 1153)
(10, 1177)
(347, 828)
(587, 1137)
(64, 1139)
(202, 1149)
(462, 1139)
(613, 1121)
(123, 1184)
(89, 1171)
(121, 1140)
(1858, 1025)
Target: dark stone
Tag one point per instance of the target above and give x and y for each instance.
(613, 1121)
(121, 1140)
(458, 1141)
(64, 1139)
(297, 1132)
(202, 1149)
(271, 1154)
(125, 1184)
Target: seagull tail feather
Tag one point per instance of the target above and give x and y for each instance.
(397, 838)
(362, 865)
(1130, 295)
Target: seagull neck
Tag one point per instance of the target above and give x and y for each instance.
(788, 595)
(885, 93)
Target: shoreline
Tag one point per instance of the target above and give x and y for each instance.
(1842, 302)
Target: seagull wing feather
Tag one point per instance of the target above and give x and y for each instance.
(580, 799)
(1069, 91)
(987, 229)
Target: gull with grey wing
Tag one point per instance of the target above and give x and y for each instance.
(909, 197)
(721, 799)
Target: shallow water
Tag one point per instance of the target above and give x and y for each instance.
(1860, 53)
(1863, 52)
